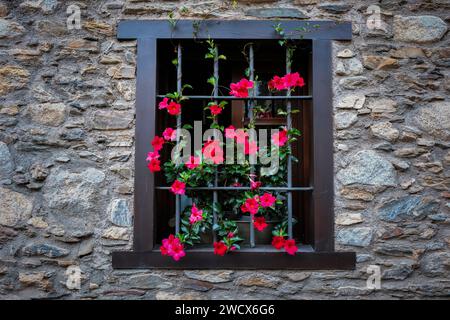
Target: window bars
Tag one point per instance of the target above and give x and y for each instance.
(251, 99)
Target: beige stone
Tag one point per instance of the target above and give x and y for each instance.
(352, 101)
(12, 78)
(407, 52)
(15, 207)
(99, 27)
(49, 114)
(382, 105)
(347, 219)
(9, 110)
(356, 194)
(37, 279)
(385, 130)
(116, 233)
(38, 222)
(380, 63)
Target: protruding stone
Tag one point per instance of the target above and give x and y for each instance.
(15, 207)
(49, 114)
(407, 52)
(6, 162)
(119, 213)
(218, 276)
(382, 106)
(368, 168)
(345, 54)
(276, 13)
(37, 279)
(111, 120)
(356, 194)
(380, 63)
(258, 280)
(116, 233)
(38, 223)
(48, 250)
(99, 27)
(385, 130)
(352, 101)
(10, 29)
(12, 78)
(419, 29)
(436, 264)
(345, 120)
(434, 119)
(409, 207)
(358, 237)
(349, 67)
(347, 219)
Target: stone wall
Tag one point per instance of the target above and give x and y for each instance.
(66, 152)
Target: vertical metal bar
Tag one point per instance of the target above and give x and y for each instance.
(250, 116)
(179, 86)
(216, 174)
(289, 160)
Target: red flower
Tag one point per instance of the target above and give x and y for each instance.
(251, 205)
(280, 138)
(230, 235)
(173, 247)
(293, 80)
(169, 134)
(163, 104)
(178, 187)
(255, 184)
(154, 165)
(230, 132)
(267, 200)
(174, 108)
(260, 223)
(213, 151)
(278, 242)
(276, 83)
(290, 247)
(193, 162)
(220, 248)
(196, 214)
(240, 89)
(215, 109)
(152, 155)
(157, 143)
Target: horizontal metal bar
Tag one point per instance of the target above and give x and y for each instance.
(233, 29)
(241, 188)
(248, 98)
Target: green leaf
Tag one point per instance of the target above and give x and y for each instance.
(222, 57)
(175, 62)
(212, 81)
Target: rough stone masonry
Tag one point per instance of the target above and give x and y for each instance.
(66, 152)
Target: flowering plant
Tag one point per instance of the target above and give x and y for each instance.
(207, 166)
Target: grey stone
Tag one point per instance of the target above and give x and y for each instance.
(385, 130)
(119, 213)
(10, 29)
(49, 114)
(344, 120)
(353, 83)
(73, 192)
(349, 67)
(352, 101)
(419, 29)
(409, 207)
(212, 276)
(146, 281)
(367, 167)
(335, 7)
(6, 162)
(43, 249)
(15, 207)
(111, 120)
(398, 272)
(436, 264)
(358, 237)
(276, 13)
(434, 119)
(86, 248)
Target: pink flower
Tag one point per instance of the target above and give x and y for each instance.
(267, 200)
(241, 136)
(170, 134)
(213, 151)
(196, 214)
(250, 147)
(240, 89)
(260, 223)
(230, 132)
(174, 108)
(220, 248)
(173, 247)
(178, 187)
(290, 247)
(230, 235)
(251, 205)
(276, 83)
(255, 185)
(280, 138)
(193, 162)
(163, 104)
(157, 143)
(293, 80)
(154, 165)
(152, 155)
(215, 109)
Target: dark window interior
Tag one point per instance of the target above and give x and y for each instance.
(269, 61)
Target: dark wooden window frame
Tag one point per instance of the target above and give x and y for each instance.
(321, 254)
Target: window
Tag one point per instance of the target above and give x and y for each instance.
(311, 187)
